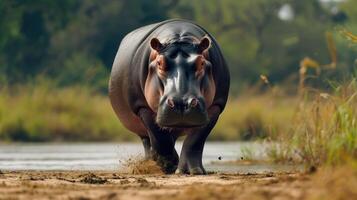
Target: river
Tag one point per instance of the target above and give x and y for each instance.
(110, 156)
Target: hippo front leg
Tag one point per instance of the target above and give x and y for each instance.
(192, 149)
(162, 143)
(147, 147)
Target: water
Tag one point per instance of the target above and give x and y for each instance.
(107, 156)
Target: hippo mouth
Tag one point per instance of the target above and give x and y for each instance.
(180, 125)
(182, 115)
(178, 120)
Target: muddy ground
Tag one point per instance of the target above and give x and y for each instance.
(113, 185)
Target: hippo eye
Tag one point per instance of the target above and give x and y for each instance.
(161, 66)
(200, 66)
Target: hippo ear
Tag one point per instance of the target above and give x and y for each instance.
(156, 44)
(205, 43)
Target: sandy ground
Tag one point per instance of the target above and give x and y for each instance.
(150, 183)
(112, 185)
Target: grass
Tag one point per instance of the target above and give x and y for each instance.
(335, 183)
(324, 129)
(42, 112)
(254, 117)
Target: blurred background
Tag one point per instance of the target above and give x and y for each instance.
(56, 56)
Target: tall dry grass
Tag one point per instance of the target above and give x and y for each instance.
(256, 116)
(43, 112)
(324, 129)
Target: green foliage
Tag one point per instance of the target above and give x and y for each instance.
(74, 42)
(26, 29)
(255, 40)
(67, 39)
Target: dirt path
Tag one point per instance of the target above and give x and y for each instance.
(112, 185)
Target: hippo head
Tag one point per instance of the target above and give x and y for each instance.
(180, 86)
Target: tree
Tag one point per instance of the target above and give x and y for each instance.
(26, 29)
(256, 40)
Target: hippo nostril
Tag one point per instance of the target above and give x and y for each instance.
(170, 102)
(193, 102)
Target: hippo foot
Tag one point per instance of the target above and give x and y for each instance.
(167, 163)
(192, 170)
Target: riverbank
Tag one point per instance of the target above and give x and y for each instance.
(325, 184)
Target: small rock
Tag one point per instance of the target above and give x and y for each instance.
(312, 169)
(225, 177)
(143, 182)
(93, 179)
(124, 182)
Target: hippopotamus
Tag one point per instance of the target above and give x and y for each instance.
(170, 79)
